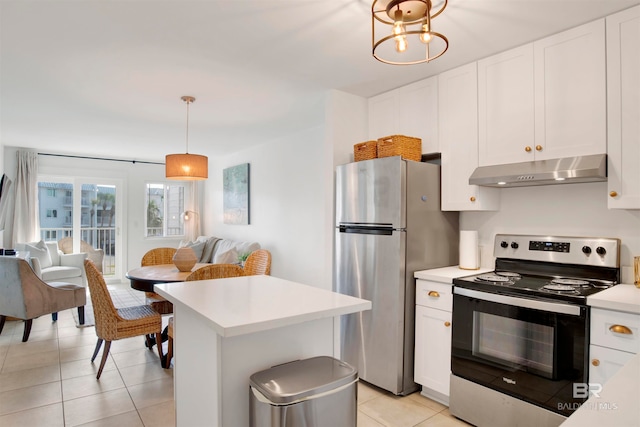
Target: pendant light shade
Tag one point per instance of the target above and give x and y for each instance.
(187, 167)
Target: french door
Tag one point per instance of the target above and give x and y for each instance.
(86, 212)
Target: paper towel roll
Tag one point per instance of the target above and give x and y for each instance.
(469, 254)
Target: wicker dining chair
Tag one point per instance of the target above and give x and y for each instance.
(258, 262)
(211, 271)
(216, 271)
(158, 256)
(117, 323)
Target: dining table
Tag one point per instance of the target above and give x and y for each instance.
(145, 278)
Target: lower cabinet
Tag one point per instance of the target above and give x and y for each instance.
(615, 338)
(433, 340)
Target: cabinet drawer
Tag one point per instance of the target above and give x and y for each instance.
(615, 329)
(434, 295)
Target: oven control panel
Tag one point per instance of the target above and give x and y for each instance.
(541, 245)
(596, 251)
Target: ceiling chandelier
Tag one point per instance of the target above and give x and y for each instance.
(187, 166)
(411, 39)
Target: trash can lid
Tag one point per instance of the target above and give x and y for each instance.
(301, 379)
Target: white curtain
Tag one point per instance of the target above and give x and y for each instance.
(192, 227)
(26, 227)
(6, 195)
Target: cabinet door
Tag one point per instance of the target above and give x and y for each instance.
(506, 107)
(605, 362)
(383, 115)
(623, 101)
(570, 93)
(418, 113)
(458, 127)
(433, 349)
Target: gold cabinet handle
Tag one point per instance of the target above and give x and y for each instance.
(620, 329)
(538, 147)
(447, 324)
(527, 149)
(613, 194)
(473, 199)
(434, 294)
(595, 362)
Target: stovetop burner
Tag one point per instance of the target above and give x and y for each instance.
(563, 268)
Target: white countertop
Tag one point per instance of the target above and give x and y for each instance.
(447, 274)
(620, 297)
(244, 305)
(617, 404)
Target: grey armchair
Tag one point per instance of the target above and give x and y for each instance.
(25, 296)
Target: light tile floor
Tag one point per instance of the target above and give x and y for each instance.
(50, 381)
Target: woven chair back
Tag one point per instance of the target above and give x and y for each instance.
(158, 256)
(104, 312)
(216, 271)
(259, 262)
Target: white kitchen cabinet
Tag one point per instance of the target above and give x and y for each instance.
(623, 103)
(506, 107)
(434, 303)
(615, 338)
(458, 128)
(383, 115)
(570, 93)
(411, 110)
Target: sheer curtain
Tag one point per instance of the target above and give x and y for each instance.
(26, 227)
(192, 227)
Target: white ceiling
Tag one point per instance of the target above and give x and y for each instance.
(104, 78)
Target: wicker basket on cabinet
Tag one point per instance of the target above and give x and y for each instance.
(408, 147)
(365, 151)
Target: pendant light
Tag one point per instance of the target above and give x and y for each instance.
(405, 31)
(187, 167)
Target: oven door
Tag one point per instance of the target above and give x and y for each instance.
(534, 350)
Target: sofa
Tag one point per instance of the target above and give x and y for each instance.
(51, 265)
(217, 250)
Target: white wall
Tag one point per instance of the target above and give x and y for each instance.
(292, 192)
(561, 210)
(286, 204)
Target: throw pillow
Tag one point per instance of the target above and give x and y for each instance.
(227, 257)
(197, 247)
(41, 251)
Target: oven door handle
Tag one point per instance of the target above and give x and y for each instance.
(552, 307)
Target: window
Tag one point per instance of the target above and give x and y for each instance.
(52, 213)
(51, 192)
(165, 205)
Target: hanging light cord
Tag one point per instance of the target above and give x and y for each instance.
(188, 102)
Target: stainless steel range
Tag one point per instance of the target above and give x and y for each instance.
(520, 336)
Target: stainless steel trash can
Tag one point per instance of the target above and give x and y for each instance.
(316, 392)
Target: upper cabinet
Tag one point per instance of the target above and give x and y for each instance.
(544, 100)
(506, 107)
(411, 110)
(623, 103)
(570, 93)
(458, 125)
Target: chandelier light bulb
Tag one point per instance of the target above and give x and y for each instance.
(425, 35)
(399, 31)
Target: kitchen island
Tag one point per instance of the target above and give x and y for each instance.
(227, 329)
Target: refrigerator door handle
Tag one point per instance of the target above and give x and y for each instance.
(358, 229)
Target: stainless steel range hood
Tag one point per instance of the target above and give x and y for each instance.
(568, 170)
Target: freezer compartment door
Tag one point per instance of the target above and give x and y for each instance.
(372, 191)
(371, 266)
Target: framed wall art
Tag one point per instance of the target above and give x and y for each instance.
(235, 203)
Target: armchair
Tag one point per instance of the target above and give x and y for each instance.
(25, 296)
(51, 265)
(96, 255)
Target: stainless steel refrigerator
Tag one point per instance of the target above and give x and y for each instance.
(388, 225)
